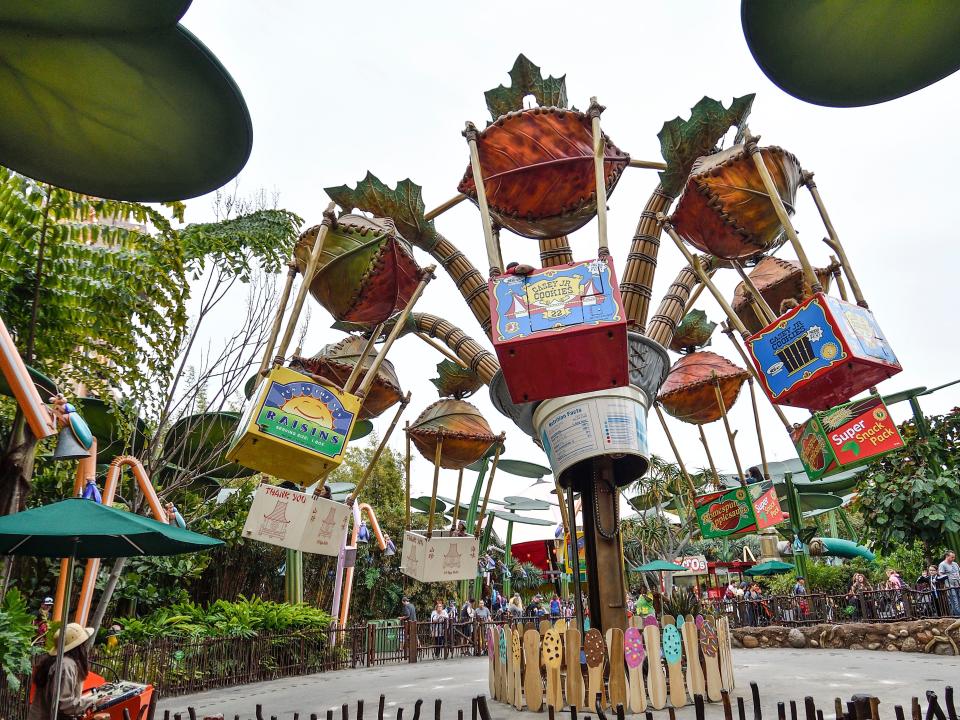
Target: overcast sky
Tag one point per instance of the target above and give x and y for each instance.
(337, 89)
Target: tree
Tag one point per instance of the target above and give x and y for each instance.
(914, 493)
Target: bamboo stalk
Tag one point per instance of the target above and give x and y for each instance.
(469, 281)
(599, 176)
(277, 322)
(493, 257)
(753, 371)
(555, 251)
(835, 267)
(676, 451)
(766, 313)
(647, 164)
(367, 347)
(833, 241)
(443, 207)
(425, 278)
(697, 291)
(441, 349)
(731, 434)
(436, 482)
(561, 499)
(756, 421)
(637, 281)
(470, 352)
(368, 471)
(713, 468)
(456, 503)
(751, 146)
(308, 274)
(486, 492)
(406, 473)
(671, 310)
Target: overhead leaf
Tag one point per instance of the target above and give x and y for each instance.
(403, 204)
(455, 380)
(683, 141)
(526, 79)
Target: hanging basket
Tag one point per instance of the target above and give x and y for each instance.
(466, 434)
(688, 392)
(366, 271)
(777, 280)
(335, 362)
(441, 558)
(725, 209)
(538, 171)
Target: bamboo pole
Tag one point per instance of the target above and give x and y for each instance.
(358, 367)
(493, 471)
(664, 322)
(277, 322)
(835, 268)
(636, 283)
(436, 482)
(647, 164)
(695, 295)
(676, 451)
(493, 257)
(725, 328)
(406, 474)
(713, 468)
(731, 434)
(441, 349)
(599, 175)
(368, 471)
(767, 315)
(751, 146)
(756, 421)
(426, 276)
(456, 502)
(443, 207)
(561, 499)
(555, 251)
(471, 353)
(833, 241)
(325, 225)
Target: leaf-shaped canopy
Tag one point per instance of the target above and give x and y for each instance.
(522, 468)
(688, 392)
(683, 141)
(115, 435)
(466, 434)
(117, 100)
(366, 271)
(422, 504)
(693, 332)
(538, 171)
(455, 380)
(518, 502)
(199, 443)
(44, 385)
(847, 53)
(335, 362)
(521, 519)
(404, 205)
(526, 79)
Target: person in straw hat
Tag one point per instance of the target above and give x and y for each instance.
(75, 669)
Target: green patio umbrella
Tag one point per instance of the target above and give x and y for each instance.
(659, 566)
(77, 528)
(771, 567)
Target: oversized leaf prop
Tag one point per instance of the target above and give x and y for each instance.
(693, 332)
(683, 141)
(456, 381)
(526, 79)
(404, 205)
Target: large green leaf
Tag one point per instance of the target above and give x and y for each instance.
(455, 380)
(526, 79)
(849, 53)
(404, 205)
(683, 141)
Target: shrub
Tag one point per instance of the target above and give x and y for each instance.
(16, 637)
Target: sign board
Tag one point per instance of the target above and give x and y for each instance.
(821, 353)
(694, 564)
(296, 521)
(295, 428)
(740, 511)
(846, 437)
(442, 558)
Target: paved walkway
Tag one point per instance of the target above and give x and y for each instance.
(781, 674)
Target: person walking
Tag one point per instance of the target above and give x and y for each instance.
(42, 621)
(950, 571)
(855, 595)
(555, 608)
(800, 593)
(438, 628)
(76, 665)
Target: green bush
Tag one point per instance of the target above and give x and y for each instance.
(16, 637)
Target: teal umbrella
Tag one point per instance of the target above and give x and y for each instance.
(659, 566)
(77, 528)
(771, 567)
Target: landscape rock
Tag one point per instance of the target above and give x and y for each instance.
(749, 641)
(796, 638)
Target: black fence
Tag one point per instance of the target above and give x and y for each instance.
(871, 606)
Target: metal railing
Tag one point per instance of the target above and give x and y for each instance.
(816, 608)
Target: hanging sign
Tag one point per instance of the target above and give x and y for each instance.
(296, 521)
(739, 511)
(442, 558)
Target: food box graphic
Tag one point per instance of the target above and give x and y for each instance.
(739, 511)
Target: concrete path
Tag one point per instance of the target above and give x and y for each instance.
(781, 674)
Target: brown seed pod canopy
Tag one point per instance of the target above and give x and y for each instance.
(466, 435)
(777, 280)
(688, 392)
(693, 332)
(366, 271)
(725, 209)
(335, 362)
(538, 171)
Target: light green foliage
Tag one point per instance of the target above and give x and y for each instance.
(16, 635)
(526, 79)
(725, 550)
(525, 576)
(681, 602)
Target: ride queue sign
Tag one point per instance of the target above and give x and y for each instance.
(296, 428)
(846, 437)
(740, 511)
